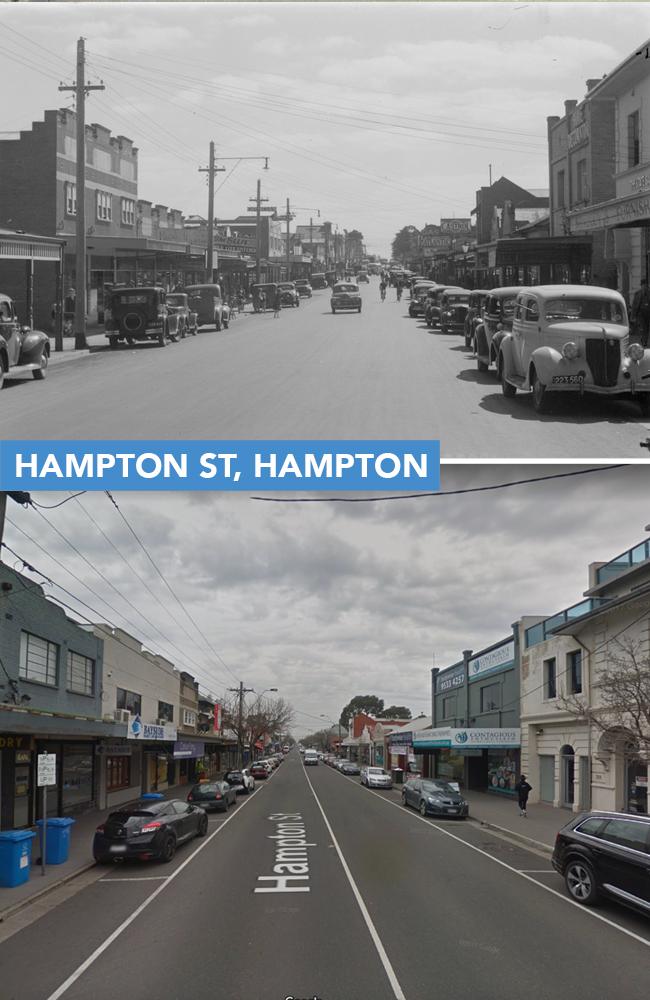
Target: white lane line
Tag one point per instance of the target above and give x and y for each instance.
(587, 911)
(147, 878)
(398, 993)
(92, 958)
(537, 871)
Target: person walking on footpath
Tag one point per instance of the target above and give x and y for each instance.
(523, 790)
(641, 313)
(277, 303)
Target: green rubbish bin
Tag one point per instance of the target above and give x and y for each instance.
(398, 776)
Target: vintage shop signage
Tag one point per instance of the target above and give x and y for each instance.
(460, 739)
(139, 730)
(619, 212)
(578, 135)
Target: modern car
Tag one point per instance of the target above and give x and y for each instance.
(217, 795)
(454, 306)
(148, 830)
(303, 288)
(345, 295)
(572, 339)
(349, 767)
(289, 294)
(605, 854)
(23, 351)
(492, 326)
(311, 758)
(376, 777)
(433, 306)
(434, 797)
(188, 321)
(137, 314)
(207, 302)
(242, 781)
(474, 314)
(418, 295)
(259, 771)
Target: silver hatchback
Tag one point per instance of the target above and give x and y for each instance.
(376, 777)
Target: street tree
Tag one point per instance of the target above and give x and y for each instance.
(318, 740)
(262, 717)
(368, 703)
(396, 712)
(405, 245)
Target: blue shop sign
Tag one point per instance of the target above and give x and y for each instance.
(185, 749)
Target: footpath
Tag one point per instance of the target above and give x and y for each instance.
(501, 813)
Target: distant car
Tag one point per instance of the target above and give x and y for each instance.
(23, 351)
(363, 276)
(310, 758)
(605, 854)
(454, 306)
(434, 797)
(216, 795)
(345, 295)
(318, 281)
(433, 309)
(474, 314)
(418, 297)
(494, 323)
(376, 777)
(264, 296)
(148, 830)
(303, 288)
(259, 771)
(188, 322)
(242, 781)
(349, 767)
(207, 302)
(289, 294)
(136, 314)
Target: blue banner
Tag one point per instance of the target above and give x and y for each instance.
(307, 466)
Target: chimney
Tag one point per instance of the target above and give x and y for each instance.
(569, 107)
(552, 120)
(591, 84)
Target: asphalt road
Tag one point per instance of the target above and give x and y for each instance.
(398, 907)
(311, 374)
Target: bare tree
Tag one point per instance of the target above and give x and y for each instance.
(264, 717)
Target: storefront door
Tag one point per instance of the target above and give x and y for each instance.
(547, 778)
(567, 757)
(636, 784)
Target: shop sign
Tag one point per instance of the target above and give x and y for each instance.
(400, 739)
(113, 749)
(184, 748)
(397, 751)
(579, 134)
(453, 678)
(461, 739)
(456, 225)
(139, 730)
(496, 659)
(46, 769)
(217, 718)
(15, 742)
(612, 213)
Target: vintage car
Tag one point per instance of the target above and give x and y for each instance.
(454, 307)
(345, 295)
(303, 288)
(264, 296)
(23, 351)
(134, 314)
(318, 281)
(206, 301)
(178, 303)
(474, 314)
(418, 295)
(433, 305)
(496, 321)
(362, 276)
(572, 338)
(331, 278)
(289, 294)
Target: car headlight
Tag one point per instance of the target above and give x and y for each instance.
(434, 801)
(636, 352)
(571, 351)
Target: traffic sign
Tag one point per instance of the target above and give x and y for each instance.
(46, 769)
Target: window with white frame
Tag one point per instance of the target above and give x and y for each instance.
(81, 673)
(128, 212)
(70, 189)
(189, 717)
(38, 659)
(104, 206)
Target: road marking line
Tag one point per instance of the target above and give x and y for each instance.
(92, 958)
(398, 993)
(537, 871)
(547, 888)
(146, 878)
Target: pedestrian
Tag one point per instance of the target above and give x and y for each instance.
(277, 303)
(261, 299)
(382, 289)
(523, 790)
(641, 312)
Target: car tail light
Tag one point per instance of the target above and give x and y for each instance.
(150, 827)
(100, 829)
(218, 795)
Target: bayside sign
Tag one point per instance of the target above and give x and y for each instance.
(448, 738)
(139, 730)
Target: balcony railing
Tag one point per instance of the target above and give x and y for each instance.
(538, 633)
(633, 557)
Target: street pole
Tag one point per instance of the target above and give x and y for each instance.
(81, 89)
(258, 233)
(288, 243)
(210, 170)
(240, 692)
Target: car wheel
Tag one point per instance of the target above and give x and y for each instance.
(203, 826)
(540, 395)
(581, 882)
(168, 849)
(404, 801)
(644, 404)
(423, 808)
(333, 309)
(162, 337)
(481, 365)
(40, 373)
(359, 309)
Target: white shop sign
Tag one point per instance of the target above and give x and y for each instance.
(495, 659)
(446, 737)
(139, 730)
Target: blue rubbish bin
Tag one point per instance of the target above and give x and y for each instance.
(57, 848)
(15, 857)
(152, 795)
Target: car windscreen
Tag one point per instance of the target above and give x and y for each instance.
(234, 776)
(574, 309)
(456, 299)
(345, 288)
(130, 298)
(437, 788)
(204, 791)
(126, 815)
(175, 300)
(376, 770)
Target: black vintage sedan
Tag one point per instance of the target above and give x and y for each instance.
(433, 797)
(148, 830)
(217, 795)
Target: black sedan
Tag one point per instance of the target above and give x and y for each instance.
(148, 830)
(242, 781)
(350, 768)
(434, 798)
(216, 795)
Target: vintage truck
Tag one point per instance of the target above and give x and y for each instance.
(23, 351)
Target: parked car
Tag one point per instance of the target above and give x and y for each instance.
(418, 294)
(242, 781)
(474, 315)
(216, 795)
(188, 321)
(349, 767)
(264, 296)
(318, 281)
(137, 314)
(454, 306)
(289, 294)
(311, 758)
(434, 797)
(303, 288)
(434, 302)
(23, 351)
(345, 295)
(575, 339)
(259, 771)
(362, 276)
(376, 777)
(605, 854)
(206, 301)
(148, 830)
(496, 321)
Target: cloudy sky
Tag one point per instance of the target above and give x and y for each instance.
(378, 115)
(325, 601)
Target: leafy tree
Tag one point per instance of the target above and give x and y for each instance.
(318, 740)
(396, 712)
(368, 703)
(405, 244)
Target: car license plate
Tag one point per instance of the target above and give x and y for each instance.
(452, 810)
(567, 379)
(117, 848)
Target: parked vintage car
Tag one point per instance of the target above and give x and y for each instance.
(496, 321)
(303, 287)
(289, 294)
(454, 307)
(23, 351)
(318, 280)
(418, 295)
(179, 303)
(206, 301)
(474, 314)
(264, 296)
(135, 314)
(572, 338)
(433, 304)
(345, 295)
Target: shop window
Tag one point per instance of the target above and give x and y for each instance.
(165, 711)
(189, 718)
(81, 673)
(490, 697)
(550, 678)
(574, 671)
(129, 701)
(448, 708)
(559, 194)
(70, 194)
(77, 777)
(38, 659)
(582, 188)
(633, 145)
(118, 773)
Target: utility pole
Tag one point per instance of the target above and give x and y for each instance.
(287, 218)
(81, 88)
(210, 170)
(240, 691)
